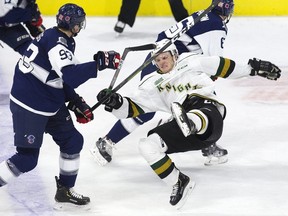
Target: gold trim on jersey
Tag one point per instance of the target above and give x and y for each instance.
(134, 109)
(225, 67)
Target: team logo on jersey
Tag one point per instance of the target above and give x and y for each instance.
(157, 82)
(62, 41)
(30, 138)
(177, 88)
(68, 118)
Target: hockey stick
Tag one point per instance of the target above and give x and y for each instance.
(173, 34)
(126, 51)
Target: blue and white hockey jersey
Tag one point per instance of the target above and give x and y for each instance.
(205, 37)
(14, 12)
(48, 72)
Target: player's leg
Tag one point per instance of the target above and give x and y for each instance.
(178, 10)
(154, 149)
(200, 117)
(127, 15)
(28, 136)
(70, 142)
(102, 151)
(16, 37)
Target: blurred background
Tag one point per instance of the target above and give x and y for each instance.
(161, 7)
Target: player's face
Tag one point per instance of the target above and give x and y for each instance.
(165, 62)
(76, 29)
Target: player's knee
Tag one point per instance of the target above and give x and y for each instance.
(152, 148)
(71, 142)
(215, 126)
(200, 120)
(25, 159)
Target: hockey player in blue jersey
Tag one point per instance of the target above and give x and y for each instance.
(44, 80)
(205, 38)
(15, 15)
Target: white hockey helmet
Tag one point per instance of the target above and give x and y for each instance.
(172, 49)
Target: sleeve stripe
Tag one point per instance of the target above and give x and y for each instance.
(134, 109)
(225, 68)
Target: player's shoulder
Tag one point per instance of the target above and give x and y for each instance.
(149, 78)
(187, 56)
(210, 22)
(53, 37)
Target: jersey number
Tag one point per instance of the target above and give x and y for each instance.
(222, 42)
(65, 54)
(25, 62)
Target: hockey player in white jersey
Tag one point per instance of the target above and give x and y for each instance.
(182, 86)
(205, 38)
(44, 80)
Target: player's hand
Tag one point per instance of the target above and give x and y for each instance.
(113, 101)
(81, 110)
(35, 26)
(264, 69)
(34, 30)
(36, 19)
(108, 59)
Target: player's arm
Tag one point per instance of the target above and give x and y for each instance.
(121, 107)
(126, 107)
(227, 68)
(74, 74)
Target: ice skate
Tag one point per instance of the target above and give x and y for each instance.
(119, 27)
(181, 190)
(102, 151)
(185, 124)
(214, 155)
(67, 198)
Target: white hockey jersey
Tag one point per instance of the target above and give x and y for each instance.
(191, 75)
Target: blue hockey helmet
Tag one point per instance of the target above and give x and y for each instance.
(70, 15)
(224, 8)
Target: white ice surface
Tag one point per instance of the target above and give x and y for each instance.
(254, 182)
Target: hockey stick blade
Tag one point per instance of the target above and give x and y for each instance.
(126, 51)
(173, 33)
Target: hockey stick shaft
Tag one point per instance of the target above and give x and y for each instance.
(126, 51)
(172, 34)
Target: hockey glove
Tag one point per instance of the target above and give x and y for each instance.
(81, 110)
(34, 30)
(108, 59)
(264, 69)
(35, 26)
(114, 101)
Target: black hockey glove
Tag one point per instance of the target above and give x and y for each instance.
(108, 59)
(34, 30)
(35, 26)
(264, 69)
(114, 101)
(81, 110)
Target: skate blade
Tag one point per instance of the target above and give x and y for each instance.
(181, 119)
(186, 194)
(98, 158)
(210, 161)
(70, 206)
